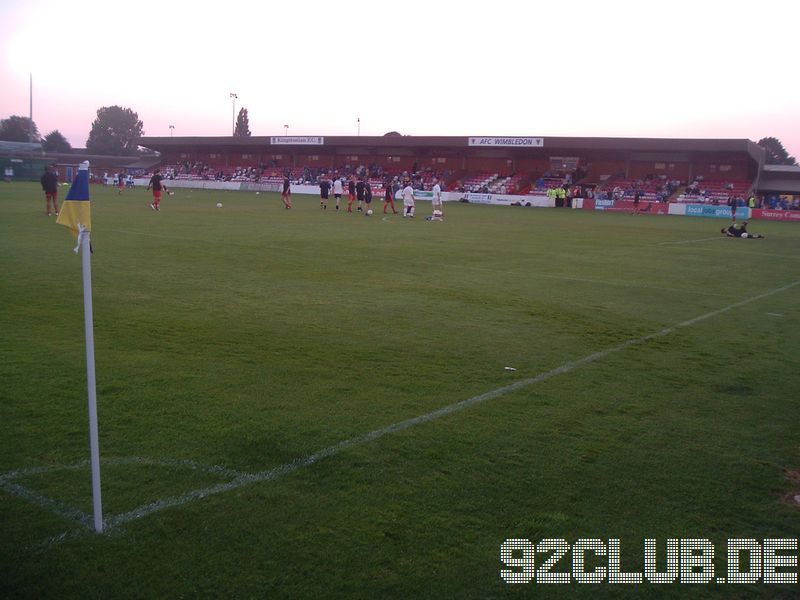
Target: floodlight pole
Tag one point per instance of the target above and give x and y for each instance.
(233, 113)
(285, 130)
(359, 126)
(171, 129)
(30, 113)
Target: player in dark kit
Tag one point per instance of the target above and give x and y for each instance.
(367, 197)
(732, 204)
(49, 183)
(286, 194)
(739, 231)
(637, 196)
(155, 183)
(324, 191)
(360, 186)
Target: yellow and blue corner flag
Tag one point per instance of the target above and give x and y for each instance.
(76, 210)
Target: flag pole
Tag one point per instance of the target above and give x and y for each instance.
(94, 443)
(76, 213)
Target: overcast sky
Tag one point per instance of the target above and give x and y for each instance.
(699, 69)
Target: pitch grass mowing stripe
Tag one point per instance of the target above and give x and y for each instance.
(583, 280)
(311, 459)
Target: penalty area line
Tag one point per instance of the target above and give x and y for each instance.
(246, 479)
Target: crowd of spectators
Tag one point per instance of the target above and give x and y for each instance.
(565, 183)
(651, 187)
(418, 178)
(781, 202)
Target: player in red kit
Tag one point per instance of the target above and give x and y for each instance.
(158, 187)
(286, 194)
(388, 196)
(351, 189)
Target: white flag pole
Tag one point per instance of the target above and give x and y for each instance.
(94, 443)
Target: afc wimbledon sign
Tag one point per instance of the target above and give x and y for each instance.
(525, 142)
(308, 141)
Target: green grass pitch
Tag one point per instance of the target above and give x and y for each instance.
(250, 341)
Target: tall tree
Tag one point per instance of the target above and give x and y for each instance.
(56, 142)
(115, 131)
(18, 129)
(776, 153)
(242, 124)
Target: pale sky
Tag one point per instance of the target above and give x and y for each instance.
(606, 68)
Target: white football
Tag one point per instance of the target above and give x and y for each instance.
(257, 193)
(219, 204)
(369, 212)
(744, 235)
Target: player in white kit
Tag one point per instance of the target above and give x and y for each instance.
(338, 190)
(408, 201)
(437, 201)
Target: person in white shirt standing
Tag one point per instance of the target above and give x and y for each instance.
(408, 201)
(338, 190)
(437, 201)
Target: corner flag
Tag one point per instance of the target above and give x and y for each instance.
(76, 214)
(76, 211)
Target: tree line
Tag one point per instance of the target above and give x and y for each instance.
(116, 132)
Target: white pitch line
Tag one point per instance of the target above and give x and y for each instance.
(8, 484)
(359, 440)
(54, 506)
(718, 237)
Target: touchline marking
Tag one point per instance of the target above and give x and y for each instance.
(690, 241)
(244, 479)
